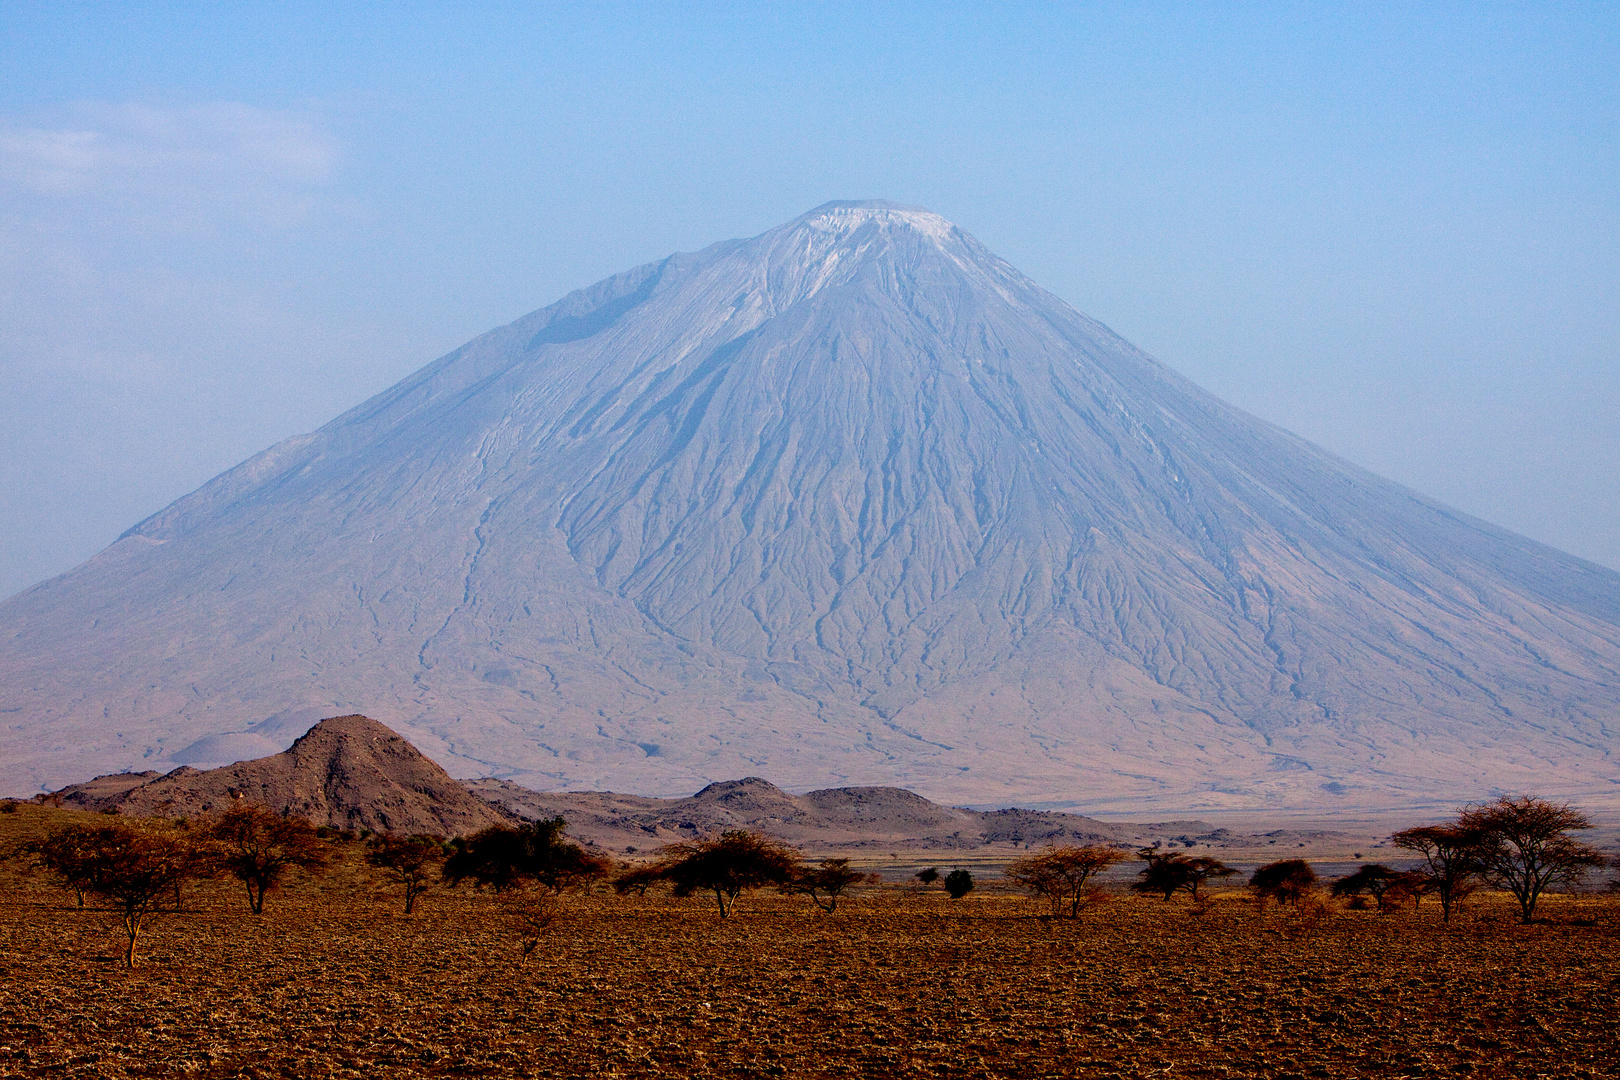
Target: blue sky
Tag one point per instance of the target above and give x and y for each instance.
(1394, 230)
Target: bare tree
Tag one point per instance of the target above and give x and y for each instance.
(725, 866)
(1451, 857)
(824, 884)
(1062, 875)
(1287, 882)
(409, 860)
(502, 857)
(1168, 873)
(260, 846)
(1522, 844)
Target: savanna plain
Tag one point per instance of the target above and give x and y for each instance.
(333, 979)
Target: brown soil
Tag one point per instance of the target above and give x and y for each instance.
(334, 981)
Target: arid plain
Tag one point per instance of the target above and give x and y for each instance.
(334, 980)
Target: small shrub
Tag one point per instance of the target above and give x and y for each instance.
(958, 883)
(533, 915)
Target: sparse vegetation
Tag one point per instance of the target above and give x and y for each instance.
(901, 985)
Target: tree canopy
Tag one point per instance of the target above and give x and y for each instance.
(726, 866)
(1168, 873)
(503, 857)
(1523, 844)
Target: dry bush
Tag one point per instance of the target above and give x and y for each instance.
(502, 858)
(408, 860)
(1287, 882)
(827, 883)
(1307, 915)
(532, 915)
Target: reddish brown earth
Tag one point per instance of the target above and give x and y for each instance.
(349, 772)
(334, 981)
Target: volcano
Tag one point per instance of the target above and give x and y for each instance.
(850, 502)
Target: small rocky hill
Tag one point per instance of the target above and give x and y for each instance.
(348, 772)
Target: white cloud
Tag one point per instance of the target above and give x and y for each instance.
(178, 166)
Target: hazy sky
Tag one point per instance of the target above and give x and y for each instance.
(1394, 231)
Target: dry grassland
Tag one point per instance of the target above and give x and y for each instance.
(334, 981)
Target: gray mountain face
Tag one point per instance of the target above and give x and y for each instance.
(852, 502)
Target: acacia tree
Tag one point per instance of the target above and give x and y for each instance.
(726, 866)
(1451, 857)
(1287, 881)
(502, 857)
(72, 855)
(1522, 844)
(135, 869)
(260, 846)
(408, 860)
(1062, 875)
(1168, 873)
(958, 883)
(1387, 886)
(824, 884)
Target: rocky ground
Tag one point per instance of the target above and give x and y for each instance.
(333, 980)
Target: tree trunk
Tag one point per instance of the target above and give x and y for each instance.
(132, 927)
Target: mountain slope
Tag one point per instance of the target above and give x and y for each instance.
(851, 502)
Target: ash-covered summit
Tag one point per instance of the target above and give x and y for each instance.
(851, 502)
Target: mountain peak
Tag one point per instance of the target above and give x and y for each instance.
(844, 215)
(853, 502)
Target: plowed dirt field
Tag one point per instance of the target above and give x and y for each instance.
(333, 980)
